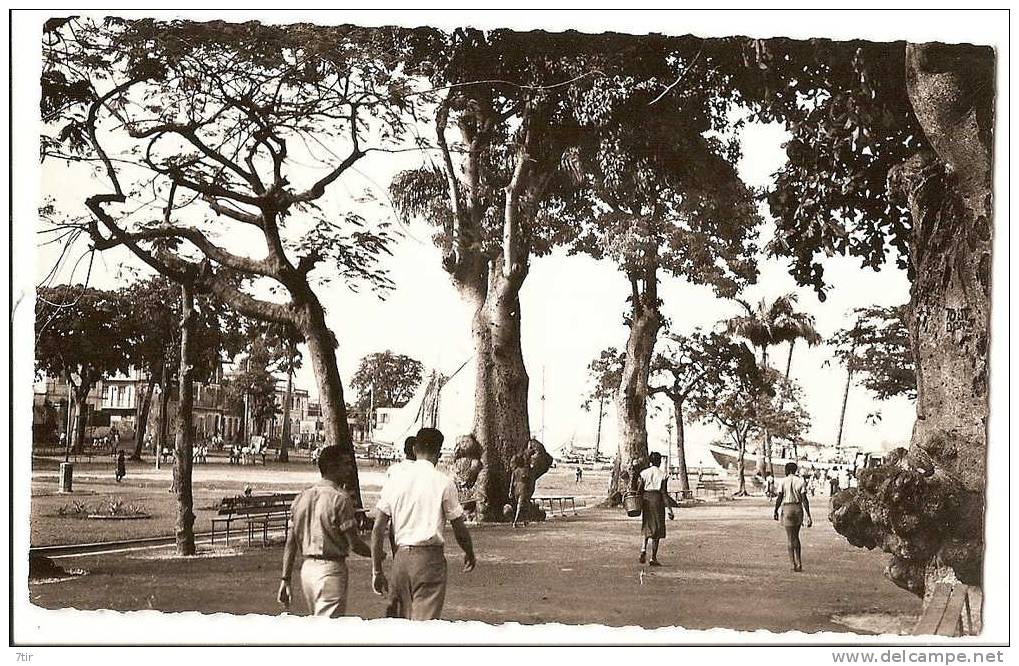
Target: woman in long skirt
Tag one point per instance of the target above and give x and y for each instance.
(794, 507)
(654, 486)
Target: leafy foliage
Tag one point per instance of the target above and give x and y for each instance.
(767, 324)
(695, 367)
(605, 374)
(82, 334)
(204, 123)
(852, 123)
(877, 347)
(153, 310)
(392, 378)
(253, 378)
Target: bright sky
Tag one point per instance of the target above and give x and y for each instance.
(572, 309)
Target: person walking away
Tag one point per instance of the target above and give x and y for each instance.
(794, 508)
(323, 528)
(417, 503)
(653, 485)
(121, 467)
(520, 486)
(769, 484)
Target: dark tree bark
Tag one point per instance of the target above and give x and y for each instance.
(142, 420)
(926, 505)
(741, 456)
(684, 476)
(183, 460)
(288, 402)
(80, 417)
(845, 401)
(321, 350)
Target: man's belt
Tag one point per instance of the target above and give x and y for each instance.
(325, 558)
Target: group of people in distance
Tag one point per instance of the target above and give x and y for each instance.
(792, 507)
(415, 503)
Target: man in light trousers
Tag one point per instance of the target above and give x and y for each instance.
(417, 502)
(323, 527)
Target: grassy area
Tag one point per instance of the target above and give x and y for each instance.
(725, 566)
(149, 490)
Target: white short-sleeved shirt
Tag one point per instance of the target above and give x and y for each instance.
(653, 478)
(420, 500)
(793, 489)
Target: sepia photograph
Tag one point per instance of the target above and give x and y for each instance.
(402, 328)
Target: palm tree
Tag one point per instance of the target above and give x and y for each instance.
(767, 325)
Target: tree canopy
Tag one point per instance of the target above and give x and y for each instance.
(696, 367)
(82, 334)
(877, 349)
(604, 374)
(386, 379)
(853, 125)
(196, 127)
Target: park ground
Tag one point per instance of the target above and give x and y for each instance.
(724, 561)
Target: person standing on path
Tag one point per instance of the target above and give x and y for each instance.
(418, 502)
(794, 507)
(323, 528)
(121, 467)
(521, 488)
(653, 484)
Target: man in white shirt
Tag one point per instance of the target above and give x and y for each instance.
(417, 502)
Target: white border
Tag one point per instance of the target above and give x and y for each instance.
(36, 625)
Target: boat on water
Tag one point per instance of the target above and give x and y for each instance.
(807, 455)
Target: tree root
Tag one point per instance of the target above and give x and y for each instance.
(911, 509)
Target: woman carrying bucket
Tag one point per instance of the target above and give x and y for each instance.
(653, 484)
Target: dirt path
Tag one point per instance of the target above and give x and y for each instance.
(725, 566)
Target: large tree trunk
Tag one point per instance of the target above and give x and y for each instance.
(684, 476)
(681, 448)
(80, 418)
(142, 419)
(184, 528)
(501, 423)
(322, 354)
(926, 506)
(631, 398)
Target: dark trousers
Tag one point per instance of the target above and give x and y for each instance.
(419, 581)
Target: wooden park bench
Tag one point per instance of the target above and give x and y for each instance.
(266, 512)
(558, 501)
(710, 483)
(948, 613)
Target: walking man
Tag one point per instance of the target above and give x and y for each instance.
(323, 527)
(417, 502)
(792, 508)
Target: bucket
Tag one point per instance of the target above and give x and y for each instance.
(631, 502)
